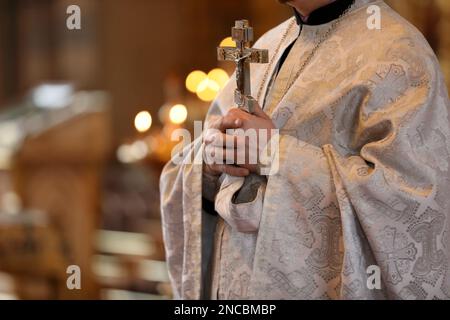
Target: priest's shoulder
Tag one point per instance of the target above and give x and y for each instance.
(398, 29)
(275, 33)
(396, 40)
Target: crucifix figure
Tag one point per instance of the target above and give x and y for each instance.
(243, 55)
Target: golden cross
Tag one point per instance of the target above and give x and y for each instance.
(243, 55)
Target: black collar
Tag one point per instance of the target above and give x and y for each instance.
(326, 13)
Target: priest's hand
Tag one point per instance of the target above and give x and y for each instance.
(237, 150)
(212, 164)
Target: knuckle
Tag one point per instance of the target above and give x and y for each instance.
(233, 112)
(214, 123)
(220, 121)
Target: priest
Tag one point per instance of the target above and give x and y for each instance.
(356, 206)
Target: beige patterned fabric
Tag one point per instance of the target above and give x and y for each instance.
(363, 180)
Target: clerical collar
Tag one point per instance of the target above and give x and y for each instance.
(325, 14)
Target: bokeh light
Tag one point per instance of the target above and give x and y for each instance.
(207, 90)
(220, 76)
(228, 42)
(163, 112)
(129, 153)
(123, 154)
(194, 79)
(206, 86)
(143, 121)
(178, 114)
(138, 150)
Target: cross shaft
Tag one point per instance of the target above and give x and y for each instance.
(242, 55)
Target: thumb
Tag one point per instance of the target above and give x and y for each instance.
(257, 111)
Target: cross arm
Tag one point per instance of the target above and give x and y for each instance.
(250, 55)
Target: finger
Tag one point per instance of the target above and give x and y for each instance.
(219, 156)
(233, 171)
(238, 157)
(210, 134)
(233, 119)
(230, 122)
(214, 122)
(209, 155)
(257, 111)
(228, 141)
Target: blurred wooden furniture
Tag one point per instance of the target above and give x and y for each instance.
(31, 252)
(56, 170)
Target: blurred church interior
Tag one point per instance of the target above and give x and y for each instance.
(85, 123)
